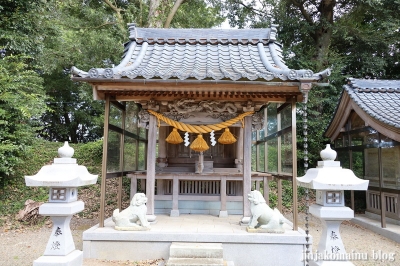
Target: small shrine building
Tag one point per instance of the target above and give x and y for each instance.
(365, 130)
(197, 118)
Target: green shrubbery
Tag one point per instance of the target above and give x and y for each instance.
(287, 195)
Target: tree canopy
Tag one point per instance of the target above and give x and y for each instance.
(354, 38)
(41, 40)
(21, 102)
(21, 87)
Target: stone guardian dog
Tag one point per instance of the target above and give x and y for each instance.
(129, 219)
(263, 218)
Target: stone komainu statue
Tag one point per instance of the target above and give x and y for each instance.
(132, 218)
(262, 216)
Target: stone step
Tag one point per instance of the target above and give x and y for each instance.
(196, 250)
(195, 262)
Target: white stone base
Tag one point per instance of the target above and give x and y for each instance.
(174, 213)
(332, 213)
(132, 228)
(151, 218)
(245, 220)
(61, 209)
(239, 246)
(264, 230)
(75, 258)
(223, 214)
(331, 263)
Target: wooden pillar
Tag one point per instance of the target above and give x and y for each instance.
(294, 166)
(162, 146)
(381, 193)
(133, 186)
(246, 168)
(121, 159)
(279, 140)
(223, 212)
(162, 157)
(104, 162)
(239, 150)
(160, 183)
(200, 166)
(175, 195)
(352, 205)
(266, 189)
(279, 185)
(151, 164)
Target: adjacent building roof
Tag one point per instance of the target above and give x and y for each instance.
(378, 98)
(201, 54)
(376, 101)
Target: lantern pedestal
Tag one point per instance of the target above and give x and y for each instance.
(61, 242)
(60, 249)
(330, 249)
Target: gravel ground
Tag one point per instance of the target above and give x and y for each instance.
(357, 239)
(21, 247)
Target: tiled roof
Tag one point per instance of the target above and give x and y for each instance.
(214, 54)
(378, 98)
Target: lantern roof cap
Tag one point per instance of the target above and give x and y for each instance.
(329, 175)
(64, 172)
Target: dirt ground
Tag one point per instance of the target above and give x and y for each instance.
(22, 246)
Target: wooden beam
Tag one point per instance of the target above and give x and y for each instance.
(104, 162)
(223, 193)
(294, 166)
(234, 98)
(175, 196)
(279, 183)
(121, 158)
(151, 164)
(381, 193)
(246, 165)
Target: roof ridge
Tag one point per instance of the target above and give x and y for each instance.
(374, 85)
(202, 36)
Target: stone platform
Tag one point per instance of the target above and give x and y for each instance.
(239, 246)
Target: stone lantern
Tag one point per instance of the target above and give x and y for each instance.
(330, 181)
(63, 178)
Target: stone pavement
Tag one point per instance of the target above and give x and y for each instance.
(392, 231)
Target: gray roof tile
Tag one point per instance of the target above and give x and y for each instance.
(230, 54)
(378, 98)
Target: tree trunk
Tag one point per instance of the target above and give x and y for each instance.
(158, 13)
(172, 13)
(70, 127)
(323, 33)
(323, 27)
(154, 20)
